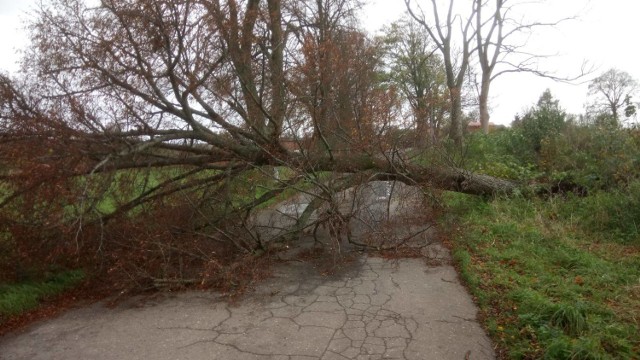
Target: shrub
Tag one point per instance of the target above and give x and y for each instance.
(545, 120)
(598, 158)
(499, 154)
(613, 214)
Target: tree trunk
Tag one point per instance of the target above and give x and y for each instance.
(455, 131)
(423, 128)
(440, 177)
(484, 99)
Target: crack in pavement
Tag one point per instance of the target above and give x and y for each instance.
(375, 309)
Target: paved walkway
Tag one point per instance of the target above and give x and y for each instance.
(373, 309)
(370, 309)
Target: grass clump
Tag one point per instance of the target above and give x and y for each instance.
(571, 318)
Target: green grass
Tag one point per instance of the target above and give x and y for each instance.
(552, 277)
(252, 185)
(18, 298)
(103, 194)
(127, 185)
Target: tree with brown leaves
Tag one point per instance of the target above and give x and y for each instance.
(138, 109)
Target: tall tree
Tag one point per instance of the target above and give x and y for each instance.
(456, 63)
(612, 92)
(496, 31)
(489, 48)
(419, 73)
(336, 76)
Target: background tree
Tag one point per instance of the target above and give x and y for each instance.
(456, 61)
(336, 78)
(546, 119)
(497, 30)
(322, 32)
(419, 73)
(612, 92)
(489, 48)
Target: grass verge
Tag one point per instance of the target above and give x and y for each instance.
(549, 284)
(21, 297)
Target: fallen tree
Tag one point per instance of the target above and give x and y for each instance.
(166, 105)
(209, 86)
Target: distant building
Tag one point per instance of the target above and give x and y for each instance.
(476, 126)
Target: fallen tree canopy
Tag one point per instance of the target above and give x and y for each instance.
(208, 85)
(150, 107)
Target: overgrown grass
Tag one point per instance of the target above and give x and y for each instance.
(556, 278)
(126, 185)
(24, 296)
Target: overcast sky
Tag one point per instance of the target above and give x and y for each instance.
(605, 35)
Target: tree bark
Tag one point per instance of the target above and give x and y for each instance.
(455, 131)
(484, 99)
(440, 177)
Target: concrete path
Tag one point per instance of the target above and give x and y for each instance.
(372, 309)
(368, 309)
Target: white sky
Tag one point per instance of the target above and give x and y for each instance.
(605, 35)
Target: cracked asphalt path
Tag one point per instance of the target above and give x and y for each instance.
(369, 308)
(373, 309)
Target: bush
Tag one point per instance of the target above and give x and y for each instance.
(514, 153)
(500, 154)
(598, 158)
(544, 121)
(613, 215)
